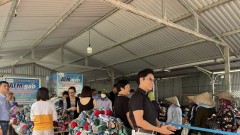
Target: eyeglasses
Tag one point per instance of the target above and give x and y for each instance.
(151, 79)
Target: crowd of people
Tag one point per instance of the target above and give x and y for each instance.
(139, 111)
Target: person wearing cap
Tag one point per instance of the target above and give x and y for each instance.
(174, 113)
(205, 109)
(4, 107)
(192, 112)
(225, 114)
(143, 114)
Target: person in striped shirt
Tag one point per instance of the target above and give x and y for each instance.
(43, 113)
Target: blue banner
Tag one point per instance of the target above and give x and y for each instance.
(24, 89)
(66, 80)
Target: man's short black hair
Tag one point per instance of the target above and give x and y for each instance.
(86, 91)
(144, 73)
(121, 84)
(42, 94)
(65, 93)
(72, 88)
(115, 85)
(4, 82)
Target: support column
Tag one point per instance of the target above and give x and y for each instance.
(62, 55)
(227, 69)
(155, 90)
(112, 77)
(86, 61)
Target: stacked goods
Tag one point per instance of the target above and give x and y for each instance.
(97, 122)
(21, 118)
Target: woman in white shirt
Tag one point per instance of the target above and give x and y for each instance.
(43, 113)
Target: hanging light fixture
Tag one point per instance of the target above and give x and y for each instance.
(89, 49)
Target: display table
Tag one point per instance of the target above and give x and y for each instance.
(12, 131)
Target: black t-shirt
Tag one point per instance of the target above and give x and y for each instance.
(140, 101)
(112, 97)
(121, 108)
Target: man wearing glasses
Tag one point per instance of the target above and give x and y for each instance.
(143, 114)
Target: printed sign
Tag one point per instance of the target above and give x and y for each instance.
(24, 89)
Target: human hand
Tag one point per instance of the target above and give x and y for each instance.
(1, 133)
(164, 129)
(74, 108)
(171, 128)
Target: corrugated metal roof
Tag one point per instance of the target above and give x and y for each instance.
(3, 15)
(98, 42)
(113, 55)
(173, 8)
(223, 18)
(132, 66)
(184, 55)
(120, 39)
(56, 56)
(233, 41)
(196, 4)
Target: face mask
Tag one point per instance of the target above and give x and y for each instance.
(103, 95)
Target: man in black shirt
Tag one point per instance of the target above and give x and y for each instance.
(121, 103)
(143, 114)
(113, 94)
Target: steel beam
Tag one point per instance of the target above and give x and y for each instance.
(9, 20)
(86, 29)
(143, 32)
(197, 18)
(134, 10)
(169, 49)
(227, 70)
(57, 23)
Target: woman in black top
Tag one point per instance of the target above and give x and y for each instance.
(71, 103)
(86, 102)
